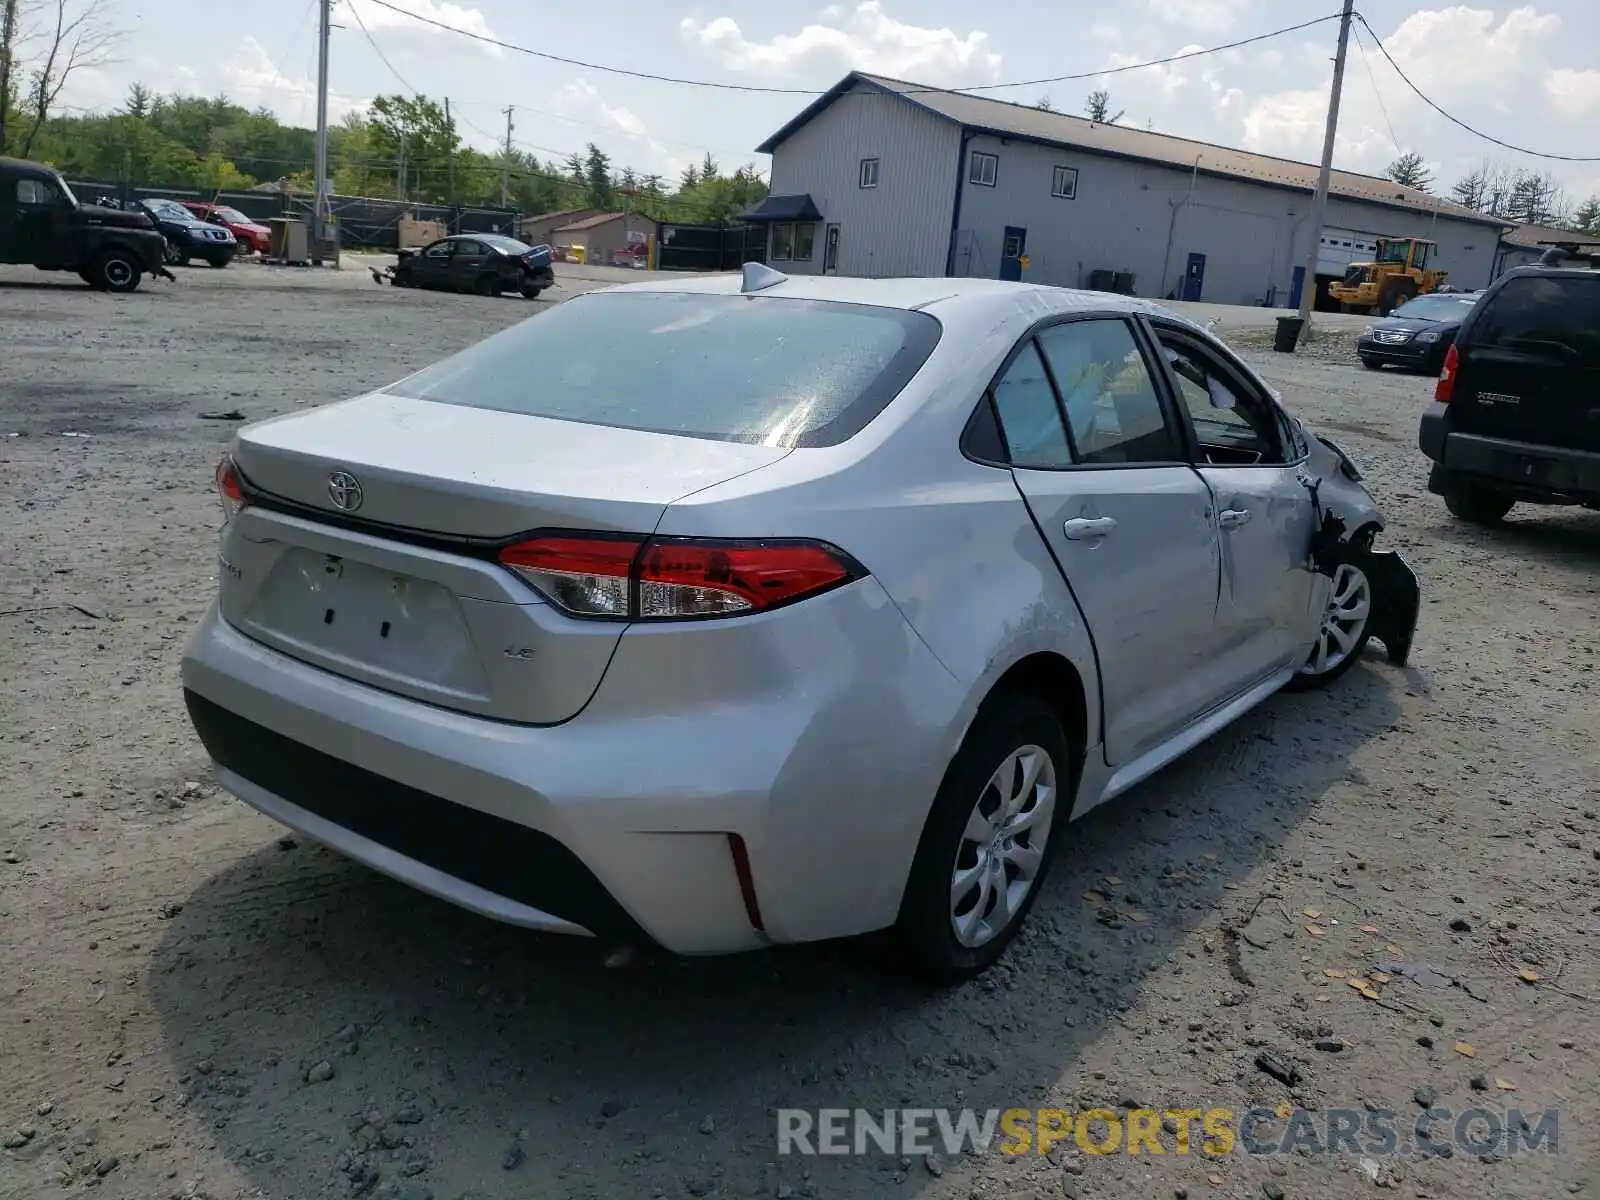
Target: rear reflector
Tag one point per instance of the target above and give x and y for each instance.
(1446, 387)
(640, 579)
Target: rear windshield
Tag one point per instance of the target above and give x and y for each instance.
(1545, 315)
(759, 369)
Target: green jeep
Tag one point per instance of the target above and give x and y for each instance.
(42, 223)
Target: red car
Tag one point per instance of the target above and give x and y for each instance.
(250, 235)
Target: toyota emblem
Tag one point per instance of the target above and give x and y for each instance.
(344, 489)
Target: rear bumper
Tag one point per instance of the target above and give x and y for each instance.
(616, 822)
(1526, 468)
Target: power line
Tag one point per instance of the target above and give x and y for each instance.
(376, 49)
(783, 91)
(1377, 95)
(1455, 120)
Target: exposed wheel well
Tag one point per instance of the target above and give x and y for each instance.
(1056, 681)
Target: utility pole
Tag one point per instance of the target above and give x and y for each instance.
(1319, 202)
(319, 206)
(450, 132)
(505, 160)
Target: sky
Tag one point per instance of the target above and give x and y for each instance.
(1528, 74)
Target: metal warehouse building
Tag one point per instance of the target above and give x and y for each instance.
(881, 177)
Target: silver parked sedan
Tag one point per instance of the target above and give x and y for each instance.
(731, 611)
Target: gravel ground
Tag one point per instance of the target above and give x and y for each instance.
(197, 1005)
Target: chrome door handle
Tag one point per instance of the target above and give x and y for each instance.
(1084, 529)
(1232, 518)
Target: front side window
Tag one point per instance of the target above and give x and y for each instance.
(782, 243)
(1234, 425)
(869, 172)
(1030, 420)
(1114, 413)
(1064, 183)
(985, 169)
(805, 241)
(439, 250)
(767, 370)
(37, 192)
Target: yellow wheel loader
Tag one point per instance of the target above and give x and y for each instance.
(1400, 272)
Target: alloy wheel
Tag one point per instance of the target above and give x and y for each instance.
(1343, 621)
(1002, 847)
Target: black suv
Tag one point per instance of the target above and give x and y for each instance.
(1516, 412)
(42, 223)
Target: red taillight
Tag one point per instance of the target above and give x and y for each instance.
(230, 489)
(674, 578)
(1446, 387)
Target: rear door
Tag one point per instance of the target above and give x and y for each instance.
(1530, 362)
(1270, 609)
(1098, 457)
(468, 262)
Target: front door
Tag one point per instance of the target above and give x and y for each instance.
(1128, 521)
(1194, 277)
(1012, 247)
(830, 254)
(1270, 599)
(38, 217)
(431, 266)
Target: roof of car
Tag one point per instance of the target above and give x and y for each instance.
(918, 293)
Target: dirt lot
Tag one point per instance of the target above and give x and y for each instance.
(173, 966)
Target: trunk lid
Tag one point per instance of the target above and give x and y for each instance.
(1529, 363)
(400, 590)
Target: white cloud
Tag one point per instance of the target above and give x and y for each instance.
(866, 39)
(1211, 16)
(1196, 81)
(251, 79)
(1483, 69)
(1575, 93)
(582, 101)
(375, 17)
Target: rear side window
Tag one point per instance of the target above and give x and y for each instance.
(1554, 316)
(759, 369)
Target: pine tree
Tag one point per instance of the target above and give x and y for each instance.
(597, 177)
(1409, 170)
(1098, 108)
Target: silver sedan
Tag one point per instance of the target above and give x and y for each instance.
(736, 611)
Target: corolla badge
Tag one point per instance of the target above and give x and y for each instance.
(344, 489)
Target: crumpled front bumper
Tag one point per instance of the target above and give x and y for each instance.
(1396, 599)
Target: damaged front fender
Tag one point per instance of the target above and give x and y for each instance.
(1396, 599)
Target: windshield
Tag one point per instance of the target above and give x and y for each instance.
(233, 216)
(765, 370)
(1437, 308)
(169, 210)
(66, 191)
(506, 245)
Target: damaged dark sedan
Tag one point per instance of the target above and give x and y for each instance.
(484, 264)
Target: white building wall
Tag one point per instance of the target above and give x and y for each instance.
(902, 226)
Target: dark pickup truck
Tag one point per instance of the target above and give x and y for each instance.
(43, 224)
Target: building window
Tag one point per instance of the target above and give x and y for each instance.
(805, 240)
(1064, 183)
(782, 243)
(869, 172)
(985, 169)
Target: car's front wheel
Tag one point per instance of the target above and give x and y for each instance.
(174, 255)
(988, 841)
(1480, 505)
(116, 271)
(1344, 632)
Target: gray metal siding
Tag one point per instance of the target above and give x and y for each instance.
(1253, 236)
(902, 226)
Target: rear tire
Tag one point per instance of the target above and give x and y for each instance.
(1478, 504)
(530, 292)
(116, 271)
(998, 815)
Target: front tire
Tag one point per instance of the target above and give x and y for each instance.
(116, 271)
(174, 255)
(1477, 504)
(1344, 633)
(988, 841)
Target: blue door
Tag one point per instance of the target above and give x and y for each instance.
(1194, 278)
(1012, 248)
(1299, 286)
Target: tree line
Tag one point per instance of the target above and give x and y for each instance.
(1498, 190)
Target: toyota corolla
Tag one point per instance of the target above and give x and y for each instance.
(736, 611)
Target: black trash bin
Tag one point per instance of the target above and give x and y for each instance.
(1288, 335)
